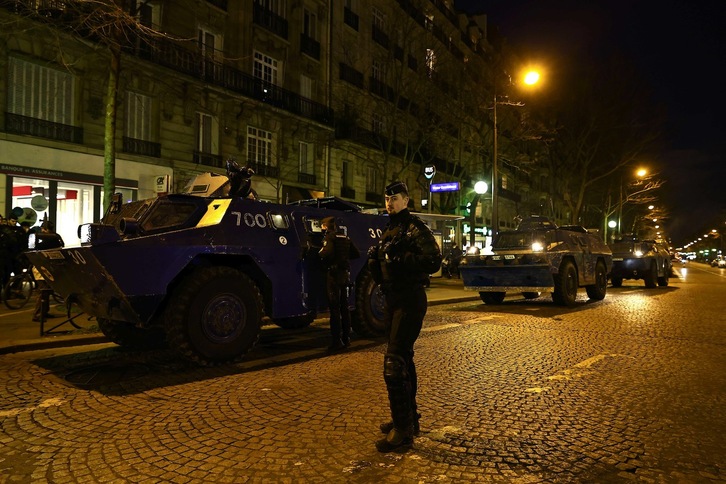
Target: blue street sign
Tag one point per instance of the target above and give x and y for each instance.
(445, 187)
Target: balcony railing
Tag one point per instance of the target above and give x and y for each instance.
(220, 4)
(374, 197)
(141, 147)
(350, 18)
(269, 20)
(351, 75)
(208, 159)
(175, 56)
(380, 36)
(347, 192)
(309, 46)
(308, 178)
(17, 124)
(265, 170)
(381, 89)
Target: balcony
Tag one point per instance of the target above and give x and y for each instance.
(17, 124)
(348, 74)
(347, 192)
(350, 18)
(374, 197)
(269, 20)
(380, 37)
(141, 147)
(381, 89)
(220, 4)
(308, 178)
(309, 46)
(208, 159)
(174, 56)
(265, 170)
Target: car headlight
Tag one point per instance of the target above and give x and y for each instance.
(638, 253)
(537, 247)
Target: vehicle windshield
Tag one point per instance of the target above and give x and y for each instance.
(167, 214)
(514, 240)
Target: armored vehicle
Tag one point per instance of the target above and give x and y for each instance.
(640, 259)
(201, 269)
(540, 257)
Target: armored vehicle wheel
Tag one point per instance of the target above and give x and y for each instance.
(616, 281)
(663, 281)
(295, 322)
(214, 315)
(492, 297)
(566, 284)
(597, 291)
(129, 336)
(369, 316)
(531, 294)
(651, 276)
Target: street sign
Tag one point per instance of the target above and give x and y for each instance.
(445, 187)
(429, 171)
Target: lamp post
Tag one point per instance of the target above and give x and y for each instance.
(530, 78)
(640, 174)
(480, 188)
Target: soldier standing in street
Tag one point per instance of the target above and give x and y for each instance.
(335, 254)
(401, 264)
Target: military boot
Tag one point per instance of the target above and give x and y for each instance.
(388, 426)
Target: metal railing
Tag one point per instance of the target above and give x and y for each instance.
(18, 124)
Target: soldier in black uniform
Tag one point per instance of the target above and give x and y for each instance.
(335, 254)
(401, 264)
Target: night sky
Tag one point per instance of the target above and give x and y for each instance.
(678, 49)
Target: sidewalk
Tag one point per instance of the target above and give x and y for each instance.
(19, 333)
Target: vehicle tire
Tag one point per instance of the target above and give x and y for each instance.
(616, 281)
(566, 284)
(663, 281)
(651, 276)
(295, 322)
(492, 298)
(214, 315)
(596, 292)
(129, 336)
(368, 319)
(18, 290)
(531, 294)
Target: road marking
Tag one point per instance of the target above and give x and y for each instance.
(580, 369)
(458, 325)
(51, 402)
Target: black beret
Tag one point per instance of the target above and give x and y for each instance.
(396, 187)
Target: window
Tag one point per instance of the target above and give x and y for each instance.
(259, 146)
(206, 133)
(274, 6)
(430, 61)
(378, 126)
(149, 14)
(40, 92)
(372, 180)
(307, 158)
(347, 173)
(429, 22)
(310, 24)
(379, 19)
(306, 86)
(377, 71)
(138, 116)
(265, 68)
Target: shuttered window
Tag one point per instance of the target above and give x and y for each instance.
(40, 92)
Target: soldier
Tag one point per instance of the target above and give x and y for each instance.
(335, 254)
(401, 263)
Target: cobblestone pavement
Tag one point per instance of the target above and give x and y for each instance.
(630, 389)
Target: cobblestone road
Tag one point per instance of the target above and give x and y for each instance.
(632, 388)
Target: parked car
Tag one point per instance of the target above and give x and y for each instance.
(719, 262)
(640, 259)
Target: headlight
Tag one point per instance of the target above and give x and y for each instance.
(638, 253)
(537, 247)
(474, 250)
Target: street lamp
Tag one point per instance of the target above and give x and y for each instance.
(530, 78)
(640, 174)
(480, 188)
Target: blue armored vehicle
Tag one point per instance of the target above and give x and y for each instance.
(640, 259)
(540, 257)
(205, 269)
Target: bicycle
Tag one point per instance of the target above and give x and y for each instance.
(19, 289)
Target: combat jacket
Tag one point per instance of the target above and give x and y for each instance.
(406, 254)
(337, 250)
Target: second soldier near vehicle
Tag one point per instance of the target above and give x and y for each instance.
(401, 263)
(335, 254)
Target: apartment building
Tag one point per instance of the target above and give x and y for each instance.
(320, 98)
